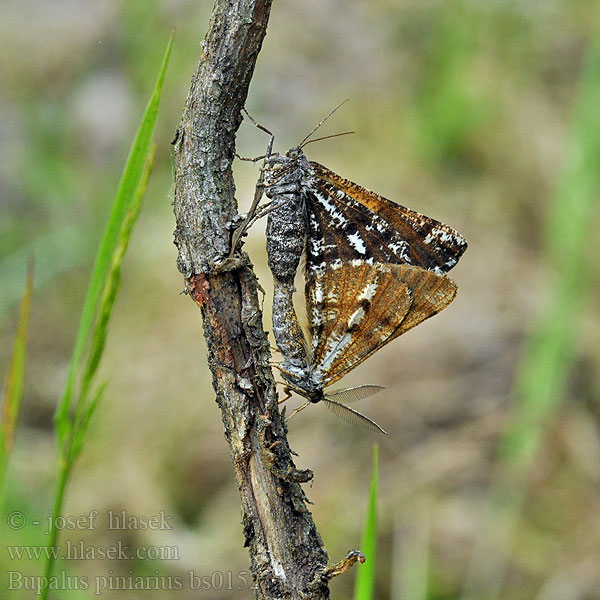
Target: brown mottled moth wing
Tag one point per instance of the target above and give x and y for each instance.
(431, 293)
(357, 308)
(348, 222)
(354, 309)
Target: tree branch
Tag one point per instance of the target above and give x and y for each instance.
(288, 559)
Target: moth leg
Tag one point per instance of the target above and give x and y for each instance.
(259, 213)
(248, 159)
(258, 191)
(297, 410)
(269, 145)
(263, 211)
(288, 395)
(255, 159)
(239, 232)
(257, 124)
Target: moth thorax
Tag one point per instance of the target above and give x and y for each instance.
(273, 174)
(312, 389)
(307, 388)
(286, 234)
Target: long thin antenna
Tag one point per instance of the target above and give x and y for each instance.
(326, 137)
(321, 123)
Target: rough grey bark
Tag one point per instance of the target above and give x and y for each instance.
(288, 559)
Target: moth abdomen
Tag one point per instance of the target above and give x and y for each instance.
(286, 235)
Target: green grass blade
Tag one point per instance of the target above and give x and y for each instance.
(364, 588)
(129, 183)
(551, 350)
(84, 408)
(111, 287)
(104, 284)
(12, 395)
(84, 423)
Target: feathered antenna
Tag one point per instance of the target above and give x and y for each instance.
(337, 403)
(352, 416)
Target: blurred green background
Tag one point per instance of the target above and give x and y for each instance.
(475, 113)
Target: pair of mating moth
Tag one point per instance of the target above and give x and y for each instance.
(373, 270)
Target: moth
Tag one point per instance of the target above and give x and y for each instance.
(354, 309)
(374, 269)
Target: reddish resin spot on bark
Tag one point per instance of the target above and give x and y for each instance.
(198, 287)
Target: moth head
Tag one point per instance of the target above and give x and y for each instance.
(293, 153)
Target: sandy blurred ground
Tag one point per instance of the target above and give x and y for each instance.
(461, 112)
